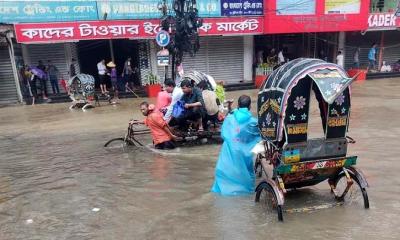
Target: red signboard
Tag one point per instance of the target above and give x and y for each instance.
(132, 29)
(383, 21)
(321, 18)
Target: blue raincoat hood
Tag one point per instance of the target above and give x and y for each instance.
(242, 115)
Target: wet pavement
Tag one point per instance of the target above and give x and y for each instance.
(58, 182)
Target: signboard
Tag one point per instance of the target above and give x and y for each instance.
(147, 9)
(289, 7)
(342, 6)
(47, 11)
(382, 21)
(163, 58)
(63, 11)
(162, 38)
(241, 7)
(131, 29)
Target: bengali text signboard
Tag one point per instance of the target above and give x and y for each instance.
(131, 29)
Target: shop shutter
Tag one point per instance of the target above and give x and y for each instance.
(391, 52)
(73, 52)
(220, 57)
(57, 53)
(200, 61)
(8, 91)
(225, 59)
(144, 60)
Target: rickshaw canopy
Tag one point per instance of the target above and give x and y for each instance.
(284, 98)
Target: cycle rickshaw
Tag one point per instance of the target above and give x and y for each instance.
(283, 116)
(81, 91)
(189, 136)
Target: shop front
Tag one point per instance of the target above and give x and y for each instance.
(313, 29)
(383, 30)
(228, 57)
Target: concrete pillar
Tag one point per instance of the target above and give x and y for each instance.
(341, 45)
(248, 56)
(111, 50)
(25, 54)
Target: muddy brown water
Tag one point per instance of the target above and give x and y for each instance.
(54, 172)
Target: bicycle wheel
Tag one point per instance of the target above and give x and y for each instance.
(115, 142)
(267, 197)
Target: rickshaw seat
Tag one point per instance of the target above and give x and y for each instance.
(318, 148)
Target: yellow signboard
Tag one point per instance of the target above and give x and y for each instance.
(342, 6)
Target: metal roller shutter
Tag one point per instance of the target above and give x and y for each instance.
(220, 57)
(391, 51)
(72, 51)
(225, 59)
(8, 91)
(200, 61)
(58, 53)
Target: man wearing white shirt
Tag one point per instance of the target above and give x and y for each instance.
(340, 59)
(102, 70)
(177, 94)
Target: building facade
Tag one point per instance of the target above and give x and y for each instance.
(237, 36)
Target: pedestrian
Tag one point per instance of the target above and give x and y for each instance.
(356, 58)
(234, 172)
(372, 57)
(340, 59)
(164, 98)
(114, 78)
(102, 70)
(26, 82)
(53, 73)
(72, 69)
(127, 73)
(43, 80)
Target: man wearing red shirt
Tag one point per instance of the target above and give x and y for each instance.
(160, 132)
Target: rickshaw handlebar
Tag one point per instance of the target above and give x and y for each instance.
(350, 140)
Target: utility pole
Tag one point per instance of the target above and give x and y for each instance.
(183, 27)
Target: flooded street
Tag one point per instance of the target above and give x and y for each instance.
(57, 181)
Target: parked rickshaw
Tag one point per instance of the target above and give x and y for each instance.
(81, 91)
(297, 160)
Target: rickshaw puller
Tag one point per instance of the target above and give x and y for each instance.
(160, 131)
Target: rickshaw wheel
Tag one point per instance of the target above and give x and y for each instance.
(354, 193)
(258, 168)
(269, 199)
(115, 142)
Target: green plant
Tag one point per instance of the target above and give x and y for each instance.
(152, 79)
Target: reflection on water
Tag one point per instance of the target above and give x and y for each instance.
(54, 171)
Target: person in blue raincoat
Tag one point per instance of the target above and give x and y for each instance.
(234, 174)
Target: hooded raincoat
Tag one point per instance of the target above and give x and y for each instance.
(234, 173)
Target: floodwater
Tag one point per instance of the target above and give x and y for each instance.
(58, 182)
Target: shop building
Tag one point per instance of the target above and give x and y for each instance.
(384, 30)
(95, 30)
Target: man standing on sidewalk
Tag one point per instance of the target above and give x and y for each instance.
(372, 57)
(53, 76)
(102, 70)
